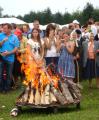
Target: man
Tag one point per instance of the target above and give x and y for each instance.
(9, 44)
(78, 54)
(36, 25)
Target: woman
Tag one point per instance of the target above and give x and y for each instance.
(51, 55)
(36, 45)
(91, 60)
(66, 66)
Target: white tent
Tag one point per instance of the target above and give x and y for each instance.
(43, 27)
(11, 20)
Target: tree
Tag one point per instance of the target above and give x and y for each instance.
(47, 16)
(96, 14)
(58, 18)
(87, 12)
(67, 18)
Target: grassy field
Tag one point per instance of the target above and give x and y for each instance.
(89, 107)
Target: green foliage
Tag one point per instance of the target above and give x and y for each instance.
(96, 14)
(87, 12)
(58, 18)
(67, 18)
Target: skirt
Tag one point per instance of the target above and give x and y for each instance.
(89, 70)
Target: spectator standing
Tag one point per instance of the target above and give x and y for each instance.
(9, 44)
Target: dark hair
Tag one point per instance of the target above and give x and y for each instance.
(49, 28)
(26, 25)
(8, 25)
(78, 31)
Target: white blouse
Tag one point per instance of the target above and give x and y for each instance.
(35, 46)
(52, 51)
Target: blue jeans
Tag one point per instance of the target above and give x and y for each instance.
(5, 82)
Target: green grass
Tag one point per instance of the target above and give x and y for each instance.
(89, 107)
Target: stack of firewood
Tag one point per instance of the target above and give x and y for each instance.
(66, 93)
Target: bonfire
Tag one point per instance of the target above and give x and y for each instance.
(44, 87)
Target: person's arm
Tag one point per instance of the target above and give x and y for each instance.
(3, 41)
(47, 43)
(96, 47)
(15, 43)
(70, 47)
(9, 53)
(42, 51)
(58, 45)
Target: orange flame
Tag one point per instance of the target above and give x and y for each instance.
(36, 73)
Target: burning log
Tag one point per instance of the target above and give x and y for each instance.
(31, 98)
(26, 94)
(37, 97)
(57, 93)
(66, 92)
(43, 98)
(47, 94)
(75, 90)
(52, 98)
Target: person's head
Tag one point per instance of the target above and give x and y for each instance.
(64, 29)
(66, 36)
(50, 30)
(76, 24)
(35, 34)
(60, 33)
(73, 35)
(18, 33)
(84, 27)
(25, 28)
(71, 26)
(36, 24)
(78, 33)
(7, 28)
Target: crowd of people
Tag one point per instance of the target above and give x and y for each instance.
(74, 50)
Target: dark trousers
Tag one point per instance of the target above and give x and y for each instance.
(5, 82)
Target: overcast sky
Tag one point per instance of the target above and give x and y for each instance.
(21, 7)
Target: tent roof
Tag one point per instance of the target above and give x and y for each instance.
(11, 20)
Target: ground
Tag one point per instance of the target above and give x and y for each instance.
(89, 107)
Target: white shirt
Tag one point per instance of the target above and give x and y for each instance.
(52, 51)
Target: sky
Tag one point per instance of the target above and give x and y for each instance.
(21, 7)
